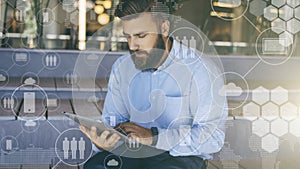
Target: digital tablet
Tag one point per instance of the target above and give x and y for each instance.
(127, 148)
(100, 125)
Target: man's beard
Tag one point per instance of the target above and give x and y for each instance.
(151, 59)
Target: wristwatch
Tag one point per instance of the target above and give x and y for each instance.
(154, 131)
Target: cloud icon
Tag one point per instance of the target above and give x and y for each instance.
(234, 3)
(2, 78)
(230, 90)
(93, 99)
(92, 57)
(112, 163)
(30, 123)
(30, 80)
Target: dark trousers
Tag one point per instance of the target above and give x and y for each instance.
(106, 160)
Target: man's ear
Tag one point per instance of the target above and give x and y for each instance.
(165, 28)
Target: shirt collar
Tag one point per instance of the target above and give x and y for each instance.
(171, 56)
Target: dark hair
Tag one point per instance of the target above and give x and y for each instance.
(126, 8)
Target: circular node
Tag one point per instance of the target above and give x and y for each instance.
(51, 60)
(183, 125)
(133, 145)
(9, 103)
(9, 144)
(112, 162)
(239, 6)
(30, 126)
(236, 87)
(71, 78)
(21, 58)
(34, 98)
(4, 78)
(191, 44)
(30, 78)
(29, 40)
(72, 147)
(93, 58)
(45, 17)
(274, 49)
(53, 102)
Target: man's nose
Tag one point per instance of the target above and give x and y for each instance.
(133, 45)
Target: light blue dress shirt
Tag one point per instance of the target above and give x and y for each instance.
(178, 98)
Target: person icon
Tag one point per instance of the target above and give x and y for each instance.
(81, 148)
(73, 147)
(66, 148)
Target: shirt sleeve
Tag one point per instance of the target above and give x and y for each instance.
(209, 113)
(114, 111)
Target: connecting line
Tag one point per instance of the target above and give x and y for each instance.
(10, 67)
(56, 165)
(251, 23)
(251, 69)
(19, 134)
(40, 71)
(53, 126)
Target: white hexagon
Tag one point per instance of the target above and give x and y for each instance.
(74, 17)
(278, 3)
(260, 127)
(278, 25)
(260, 95)
(293, 3)
(297, 12)
(257, 7)
(294, 127)
(279, 95)
(279, 127)
(288, 111)
(251, 111)
(270, 13)
(270, 111)
(293, 26)
(288, 39)
(270, 143)
(286, 12)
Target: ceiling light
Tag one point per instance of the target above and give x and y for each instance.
(103, 19)
(99, 9)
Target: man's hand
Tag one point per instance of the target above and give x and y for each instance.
(143, 135)
(102, 141)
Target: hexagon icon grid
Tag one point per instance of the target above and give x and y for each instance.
(260, 95)
(270, 111)
(251, 111)
(278, 26)
(286, 12)
(294, 127)
(284, 16)
(288, 39)
(270, 12)
(270, 143)
(257, 7)
(297, 12)
(279, 127)
(260, 127)
(279, 95)
(278, 3)
(293, 26)
(293, 3)
(288, 111)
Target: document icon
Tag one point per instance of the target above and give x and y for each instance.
(274, 46)
(29, 102)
